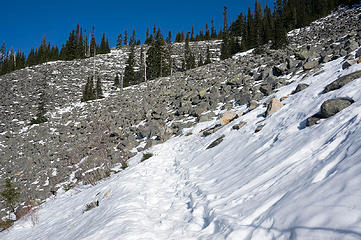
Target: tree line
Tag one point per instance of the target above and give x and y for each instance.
(263, 25)
(251, 30)
(77, 46)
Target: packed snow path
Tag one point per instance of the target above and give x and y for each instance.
(287, 181)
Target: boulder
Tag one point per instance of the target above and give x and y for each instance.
(239, 125)
(351, 45)
(273, 107)
(279, 70)
(348, 64)
(342, 81)
(333, 106)
(300, 87)
(228, 117)
(216, 142)
(358, 53)
(266, 89)
(211, 130)
(310, 65)
(252, 105)
(326, 59)
(206, 117)
(259, 128)
(314, 119)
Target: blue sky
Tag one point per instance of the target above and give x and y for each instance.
(24, 23)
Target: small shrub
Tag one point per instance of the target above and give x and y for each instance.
(90, 206)
(146, 156)
(124, 165)
(5, 224)
(68, 186)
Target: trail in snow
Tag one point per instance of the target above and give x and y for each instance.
(285, 182)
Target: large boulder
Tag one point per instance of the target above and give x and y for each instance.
(216, 142)
(348, 64)
(342, 81)
(310, 65)
(252, 105)
(300, 87)
(333, 106)
(228, 117)
(358, 53)
(351, 45)
(273, 107)
(266, 89)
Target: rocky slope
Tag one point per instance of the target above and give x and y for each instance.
(81, 142)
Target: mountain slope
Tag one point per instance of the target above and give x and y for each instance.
(287, 181)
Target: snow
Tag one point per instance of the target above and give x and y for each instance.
(284, 182)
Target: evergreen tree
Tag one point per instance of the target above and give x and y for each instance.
(40, 116)
(169, 38)
(116, 81)
(10, 194)
(142, 65)
(157, 57)
(93, 44)
(207, 34)
(226, 47)
(129, 74)
(213, 30)
(280, 34)
(2, 53)
(189, 58)
(208, 57)
(88, 92)
(125, 37)
(200, 60)
(98, 89)
(119, 40)
(192, 35)
(102, 47)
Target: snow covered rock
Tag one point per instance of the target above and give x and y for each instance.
(342, 81)
(228, 117)
(310, 65)
(252, 105)
(333, 106)
(273, 107)
(300, 87)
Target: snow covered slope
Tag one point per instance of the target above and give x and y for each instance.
(287, 181)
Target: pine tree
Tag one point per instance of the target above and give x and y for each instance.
(40, 116)
(142, 65)
(213, 30)
(189, 58)
(192, 35)
(10, 194)
(116, 81)
(129, 74)
(157, 58)
(200, 60)
(125, 37)
(102, 47)
(208, 57)
(226, 47)
(93, 44)
(119, 40)
(98, 89)
(2, 53)
(88, 92)
(280, 34)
